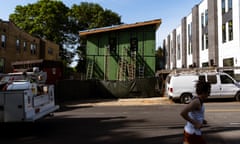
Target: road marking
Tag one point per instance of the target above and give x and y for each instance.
(223, 110)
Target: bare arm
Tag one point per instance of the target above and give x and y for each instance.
(195, 104)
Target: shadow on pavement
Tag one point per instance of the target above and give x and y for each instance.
(101, 130)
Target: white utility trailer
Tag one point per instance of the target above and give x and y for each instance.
(25, 98)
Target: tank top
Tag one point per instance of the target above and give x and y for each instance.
(197, 115)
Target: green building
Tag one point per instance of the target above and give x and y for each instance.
(123, 52)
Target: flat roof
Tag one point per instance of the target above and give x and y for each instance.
(156, 22)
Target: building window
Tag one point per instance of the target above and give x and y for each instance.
(205, 64)
(228, 62)
(223, 7)
(18, 45)
(113, 44)
(202, 20)
(224, 33)
(229, 5)
(33, 49)
(3, 41)
(206, 17)
(206, 40)
(2, 63)
(230, 30)
(24, 46)
(190, 38)
(178, 48)
(133, 44)
(50, 51)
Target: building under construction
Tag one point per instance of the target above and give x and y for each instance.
(123, 52)
(122, 58)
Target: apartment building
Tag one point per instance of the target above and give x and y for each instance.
(208, 36)
(17, 45)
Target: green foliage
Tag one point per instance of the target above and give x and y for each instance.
(54, 21)
(160, 52)
(45, 19)
(90, 15)
(160, 58)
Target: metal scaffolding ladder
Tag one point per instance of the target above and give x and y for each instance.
(122, 69)
(141, 71)
(132, 66)
(122, 66)
(90, 69)
(106, 63)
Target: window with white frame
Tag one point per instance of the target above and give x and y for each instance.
(223, 6)
(206, 17)
(229, 5)
(190, 38)
(202, 20)
(206, 40)
(230, 30)
(224, 33)
(178, 47)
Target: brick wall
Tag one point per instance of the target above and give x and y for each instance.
(17, 45)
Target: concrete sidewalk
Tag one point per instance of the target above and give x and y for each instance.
(122, 102)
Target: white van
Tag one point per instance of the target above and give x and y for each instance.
(181, 86)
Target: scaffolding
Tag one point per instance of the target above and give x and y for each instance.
(106, 63)
(141, 69)
(122, 69)
(90, 69)
(132, 66)
(122, 63)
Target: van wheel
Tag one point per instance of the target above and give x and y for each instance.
(186, 98)
(237, 97)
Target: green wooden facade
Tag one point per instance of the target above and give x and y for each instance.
(123, 52)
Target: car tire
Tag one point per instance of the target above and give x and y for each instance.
(186, 98)
(237, 97)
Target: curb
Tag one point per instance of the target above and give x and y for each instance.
(126, 102)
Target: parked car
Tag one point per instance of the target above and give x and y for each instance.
(181, 86)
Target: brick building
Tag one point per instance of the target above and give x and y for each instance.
(17, 45)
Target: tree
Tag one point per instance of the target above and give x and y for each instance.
(46, 19)
(160, 58)
(54, 21)
(89, 16)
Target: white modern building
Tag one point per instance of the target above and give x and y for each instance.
(208, 36)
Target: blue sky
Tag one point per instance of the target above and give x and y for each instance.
(131, 11)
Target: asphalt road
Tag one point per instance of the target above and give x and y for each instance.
(147, 121)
